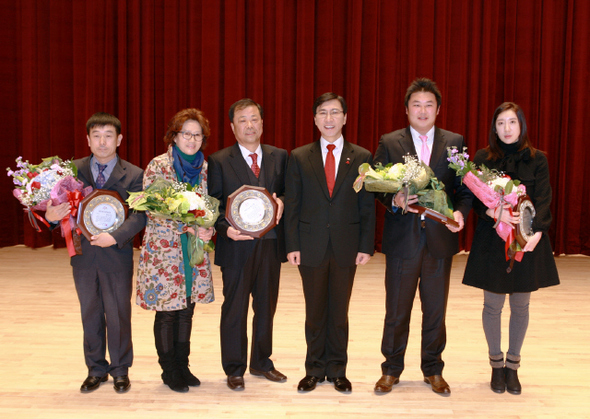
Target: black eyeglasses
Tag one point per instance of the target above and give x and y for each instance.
(188, 135)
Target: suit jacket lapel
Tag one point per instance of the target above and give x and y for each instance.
(268, 163)
(407, 143)
(237, 162)
(84, 170)
(439, 147)
(317, 163)
(116, 175)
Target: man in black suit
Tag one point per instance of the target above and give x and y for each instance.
(330, 230)
(248, 265)
(103, 273)
(419, 252)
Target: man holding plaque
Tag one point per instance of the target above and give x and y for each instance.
(103, 273)
(249, 256)
(330, 230)
(419, 251)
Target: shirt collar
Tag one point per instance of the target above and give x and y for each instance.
(416, 135)
(110, 164)
(339, 143)
(246, 153)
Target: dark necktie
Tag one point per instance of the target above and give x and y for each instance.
(330, 168)
(100, 179)
(255, 168)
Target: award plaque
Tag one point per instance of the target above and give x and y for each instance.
(434, 215)
(251, 210)
(102, 211)
(524, 228)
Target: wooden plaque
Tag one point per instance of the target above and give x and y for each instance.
(102, 211)
(251, 210)
(434, 215)
(524, 228)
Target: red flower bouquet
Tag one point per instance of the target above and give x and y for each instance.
(52, 179)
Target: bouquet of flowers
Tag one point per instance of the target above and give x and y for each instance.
(414, 175)
(180, 202)
(53, 179)
(494, 189)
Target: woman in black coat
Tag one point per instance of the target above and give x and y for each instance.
(510, 151)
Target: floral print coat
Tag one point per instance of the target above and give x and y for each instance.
(160, 275)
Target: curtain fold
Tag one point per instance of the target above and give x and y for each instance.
(144, 60)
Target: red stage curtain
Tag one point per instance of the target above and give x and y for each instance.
(143, 60)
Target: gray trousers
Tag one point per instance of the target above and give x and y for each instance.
(105, 305)
(519, 321)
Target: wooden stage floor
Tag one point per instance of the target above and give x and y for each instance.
(42, 363)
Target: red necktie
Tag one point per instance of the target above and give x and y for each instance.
(255, 168)
(330, 168)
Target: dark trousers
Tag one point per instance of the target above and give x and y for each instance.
(171, 327)
(327, 289)
(259, 277)
(402, 278)
(105, 305)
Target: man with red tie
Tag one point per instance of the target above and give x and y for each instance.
(329, 230)
(248, 265)
(419, 252)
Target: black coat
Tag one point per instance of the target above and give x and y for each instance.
(486, 266)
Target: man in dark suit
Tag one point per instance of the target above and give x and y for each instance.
(248, 265)
(330, 230)
(103, 273)
(419, 252)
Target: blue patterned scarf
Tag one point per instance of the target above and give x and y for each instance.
(188, 168)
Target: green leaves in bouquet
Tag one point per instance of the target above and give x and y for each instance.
(437, 200)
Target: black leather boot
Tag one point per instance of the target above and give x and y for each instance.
(182, 351)
(512, 383)
(172, 375)
(498, 383)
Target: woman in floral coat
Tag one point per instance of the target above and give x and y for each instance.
(166, 282)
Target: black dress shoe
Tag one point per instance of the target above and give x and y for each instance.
(498, 382)
(512, 383)
(272, 375)
(92, 382)
(308, 383)
(341, 384)
(235, 382)
(122, 383)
